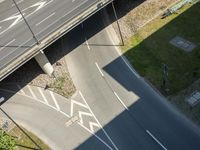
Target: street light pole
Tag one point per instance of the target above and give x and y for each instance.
(26, 22)
(32, 140)
(115, 13)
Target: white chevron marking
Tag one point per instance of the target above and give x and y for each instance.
(80, 113)
(72, 106)
(92, 124)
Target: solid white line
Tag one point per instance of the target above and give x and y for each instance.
(123, 58)
(32, 93)
(95, 136)
(86, 41)
(54, 99)
(120, 100)
(99, 69)
(7, 44)
(45, 19)
(98, 121)
(156, 140)
(43, 95)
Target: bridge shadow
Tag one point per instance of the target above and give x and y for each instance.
(151, 111)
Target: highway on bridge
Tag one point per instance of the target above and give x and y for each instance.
(43, 16)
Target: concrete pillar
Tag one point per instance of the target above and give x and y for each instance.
(44, 63)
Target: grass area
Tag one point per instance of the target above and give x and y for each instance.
(149, 49)
(60, 86)
(24, 143)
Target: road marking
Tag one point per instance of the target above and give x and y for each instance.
(99, 69)
(1, 1)
(31, 98)
(123, 58)
(120, 100)
(72, 106)
(18, 18)
(157, 141)
(92, 125)
(2, 99)
(45, 19)
(54, 99)
(96, 136)
(7, 44)
(63, 16)
(32, 93)
(43, 95)
(98, 121)
(81, 113)
(86, 41)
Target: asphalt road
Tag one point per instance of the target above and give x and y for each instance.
(131, 112)
(43, 16)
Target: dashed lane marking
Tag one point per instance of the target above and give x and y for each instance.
(120, 100)
(99, 69)
(157, 141)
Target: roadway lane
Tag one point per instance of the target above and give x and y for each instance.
(119, 97)
(43, 16)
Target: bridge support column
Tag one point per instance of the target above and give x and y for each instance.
(44, 63)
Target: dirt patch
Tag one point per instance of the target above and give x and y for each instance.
(31, 73)
(142, 13)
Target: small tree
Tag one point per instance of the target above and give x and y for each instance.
(7, 142)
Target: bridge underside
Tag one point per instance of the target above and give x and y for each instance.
(28, 29)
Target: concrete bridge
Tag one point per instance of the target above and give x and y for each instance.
(28, 27)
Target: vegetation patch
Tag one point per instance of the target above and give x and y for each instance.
(149, 49)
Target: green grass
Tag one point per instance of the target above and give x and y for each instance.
(24, 143)
(150, 48)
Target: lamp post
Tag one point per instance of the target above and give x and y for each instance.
(26, 22)
(115, 13)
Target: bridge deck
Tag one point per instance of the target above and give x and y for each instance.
(45, 17)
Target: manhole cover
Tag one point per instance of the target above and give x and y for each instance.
(183, 44)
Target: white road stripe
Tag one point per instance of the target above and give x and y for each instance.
(98, 121)
(29, 97)
(45, 19)
(54, 99)
(43, 95)
(99, 69)
(32, 93)
(7, 44)
(86, 41)
(95, 136)
(123, 58)
(120, 100)
(156, 140)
